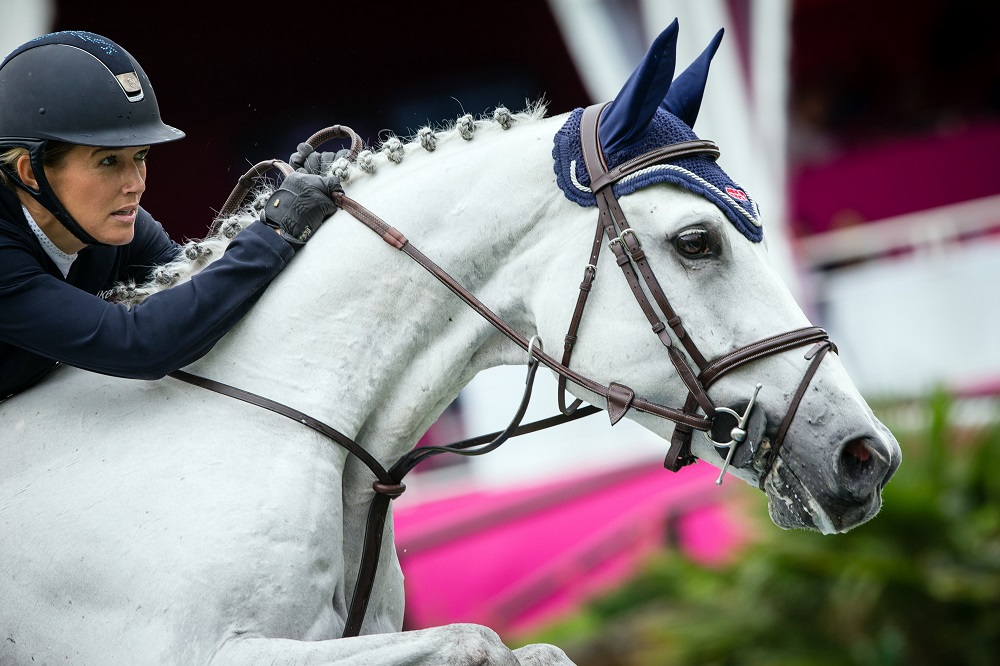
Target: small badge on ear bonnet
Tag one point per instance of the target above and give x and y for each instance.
(653, 110)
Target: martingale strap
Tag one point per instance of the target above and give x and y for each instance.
(388, 484)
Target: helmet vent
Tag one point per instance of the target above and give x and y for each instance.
(130, 84)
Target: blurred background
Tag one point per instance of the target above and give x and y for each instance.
(868, 132)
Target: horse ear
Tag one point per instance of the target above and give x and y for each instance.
(685, 94)
(627, 119)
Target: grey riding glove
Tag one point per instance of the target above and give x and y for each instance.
(300, 205)
(308, 160)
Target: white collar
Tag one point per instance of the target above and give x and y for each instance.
(62, 260)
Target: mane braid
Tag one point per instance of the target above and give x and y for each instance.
(197, 254)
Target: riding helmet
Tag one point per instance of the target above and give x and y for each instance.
(80, 88)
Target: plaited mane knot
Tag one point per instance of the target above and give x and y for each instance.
(366, 161)
(195, 251)
(427, 139)
(123, 292)
(230, 227)
(164, 277)
(503, 117)
(261, 199)
(341, 169)
(466, 126)
(393, 149)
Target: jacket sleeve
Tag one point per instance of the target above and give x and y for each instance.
(170, 329)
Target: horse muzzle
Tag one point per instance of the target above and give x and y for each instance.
(837, 491)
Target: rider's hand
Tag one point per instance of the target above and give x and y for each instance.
(307, 160)
(300, 205)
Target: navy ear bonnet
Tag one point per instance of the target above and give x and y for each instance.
(647, 114)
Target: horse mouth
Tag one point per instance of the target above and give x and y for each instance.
(792, 505)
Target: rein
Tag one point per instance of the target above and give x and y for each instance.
(732, 428)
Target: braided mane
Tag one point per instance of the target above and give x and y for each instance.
(195, 255)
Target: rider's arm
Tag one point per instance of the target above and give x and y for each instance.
(44, 315)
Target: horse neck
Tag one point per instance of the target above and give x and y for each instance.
(358, 334)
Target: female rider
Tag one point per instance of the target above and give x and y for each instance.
(77, 118)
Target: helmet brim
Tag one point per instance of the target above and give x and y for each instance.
(121, 137)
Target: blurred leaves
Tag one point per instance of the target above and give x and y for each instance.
(919, 584)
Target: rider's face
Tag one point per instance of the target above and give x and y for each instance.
(101, 188)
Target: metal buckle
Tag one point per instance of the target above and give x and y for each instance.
(621, 239)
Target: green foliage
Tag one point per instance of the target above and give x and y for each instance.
(919, 584)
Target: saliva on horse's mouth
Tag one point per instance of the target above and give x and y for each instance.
(863, 469)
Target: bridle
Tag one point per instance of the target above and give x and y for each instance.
(727, 428)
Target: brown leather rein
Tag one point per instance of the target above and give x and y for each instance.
(620, 398)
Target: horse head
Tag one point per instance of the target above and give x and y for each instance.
(781, 412)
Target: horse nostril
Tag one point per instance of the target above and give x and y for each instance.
(863, 463)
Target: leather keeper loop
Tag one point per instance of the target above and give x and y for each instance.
(394, 238)
(392, 491)
(663, 336)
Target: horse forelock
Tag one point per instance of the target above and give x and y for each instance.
(196, 254)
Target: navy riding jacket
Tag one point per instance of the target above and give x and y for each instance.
(46, 319)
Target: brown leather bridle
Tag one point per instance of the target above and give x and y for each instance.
(732, 429)
(629, 255)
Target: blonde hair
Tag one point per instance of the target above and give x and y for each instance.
(55, 152)
(9, 158)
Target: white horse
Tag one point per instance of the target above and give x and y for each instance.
(159, 523)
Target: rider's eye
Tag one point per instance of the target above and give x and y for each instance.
(693, 243)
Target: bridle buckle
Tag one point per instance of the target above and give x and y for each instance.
(621, 240)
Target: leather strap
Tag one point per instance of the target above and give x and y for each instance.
(340, 438)
(654, 157)
(397, 240)
(679, 453)
(389, 483)
(386, 488)
(627, 249)
(816, 353)
(589, 275)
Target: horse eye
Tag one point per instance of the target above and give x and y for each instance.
(694, 243)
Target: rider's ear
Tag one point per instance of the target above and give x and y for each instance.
(25, 172)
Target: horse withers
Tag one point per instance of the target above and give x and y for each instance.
(158, 523)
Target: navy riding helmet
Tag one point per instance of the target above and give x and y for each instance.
(76, 87)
